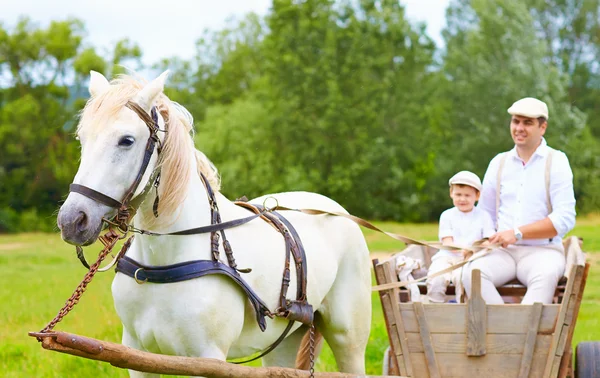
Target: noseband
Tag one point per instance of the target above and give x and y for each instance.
(128, 204)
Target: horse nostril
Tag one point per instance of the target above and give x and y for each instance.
(81, 222)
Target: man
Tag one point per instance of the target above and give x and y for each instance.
(529, 192)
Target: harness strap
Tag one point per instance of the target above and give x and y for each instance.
(152, 122)
(95, 195)
(475, 247)
(547, 176)
(299, 257)
(204, 229)
(272, 346)
(498, 179)
(299, 309)
(189, 270)
(449, 269)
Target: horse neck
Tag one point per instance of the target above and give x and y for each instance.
(193, 212)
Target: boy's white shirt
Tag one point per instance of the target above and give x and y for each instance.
(464, 228)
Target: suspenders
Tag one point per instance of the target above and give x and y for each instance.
(547, 181)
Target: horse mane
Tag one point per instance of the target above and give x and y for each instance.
(178, 145)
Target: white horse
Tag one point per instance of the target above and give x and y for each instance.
(209, 316)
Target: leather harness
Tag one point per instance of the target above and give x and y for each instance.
(293, 310)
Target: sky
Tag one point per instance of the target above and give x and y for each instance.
(163, 32)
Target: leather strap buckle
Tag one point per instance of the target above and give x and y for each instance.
(135, 277)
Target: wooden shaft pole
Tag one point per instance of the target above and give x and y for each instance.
(128, 358)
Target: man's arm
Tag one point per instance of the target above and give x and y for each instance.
(562, 196)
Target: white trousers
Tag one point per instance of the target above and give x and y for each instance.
(537, 267)
(436, 286)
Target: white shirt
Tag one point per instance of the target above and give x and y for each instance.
(464, 228)
(523, 192)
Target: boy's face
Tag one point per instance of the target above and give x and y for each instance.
(464, 197)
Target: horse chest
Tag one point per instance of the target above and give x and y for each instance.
(176, 318)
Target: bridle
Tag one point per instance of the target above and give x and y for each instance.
(128, 205)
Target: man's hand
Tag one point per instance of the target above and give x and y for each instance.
(505, 238)
(466, 254)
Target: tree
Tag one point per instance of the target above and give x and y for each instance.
(344, 90)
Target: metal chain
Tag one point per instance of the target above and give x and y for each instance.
(311, 347)
(109, 240)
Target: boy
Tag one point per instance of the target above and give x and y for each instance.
(461, 225)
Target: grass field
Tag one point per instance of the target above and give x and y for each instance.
(38, 273)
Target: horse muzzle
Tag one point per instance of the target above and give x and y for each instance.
(79, 226)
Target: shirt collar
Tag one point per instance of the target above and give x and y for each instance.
(541, 151)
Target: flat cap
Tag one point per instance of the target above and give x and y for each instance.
(529, 107)
(466, 178)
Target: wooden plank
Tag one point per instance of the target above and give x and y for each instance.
(566, 359)
(566, 363)
(562, 342)
(531, 338)
(476, 318)
(432, 365)
(495, 343)
(459, 365)
(390, 321)
(501, 319)
(570, 317)
(573, 286)
(385, 275)
(389, 272)
(395, 346)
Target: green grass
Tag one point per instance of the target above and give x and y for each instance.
(38, 272)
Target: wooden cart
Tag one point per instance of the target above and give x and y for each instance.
(480, 340)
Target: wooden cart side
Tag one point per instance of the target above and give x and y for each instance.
(559, 359)
(389, 301)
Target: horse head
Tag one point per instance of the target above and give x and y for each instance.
(115, 136)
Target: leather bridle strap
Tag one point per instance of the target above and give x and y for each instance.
(95, 195)
(152, 122)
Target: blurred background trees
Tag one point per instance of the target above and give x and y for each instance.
(345, 98)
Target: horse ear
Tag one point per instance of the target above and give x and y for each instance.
(98, 83)
(145, 98)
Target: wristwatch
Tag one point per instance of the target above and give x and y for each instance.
(518, 233)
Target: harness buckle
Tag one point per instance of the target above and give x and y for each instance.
(270, 209)
(135, 277)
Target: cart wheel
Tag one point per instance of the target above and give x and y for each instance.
(587, 360)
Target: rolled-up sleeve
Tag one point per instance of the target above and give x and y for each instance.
(562, 195)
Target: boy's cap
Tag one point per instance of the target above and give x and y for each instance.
(466, 178)
(529, 107)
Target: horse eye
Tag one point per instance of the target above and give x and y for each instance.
(126, 141)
